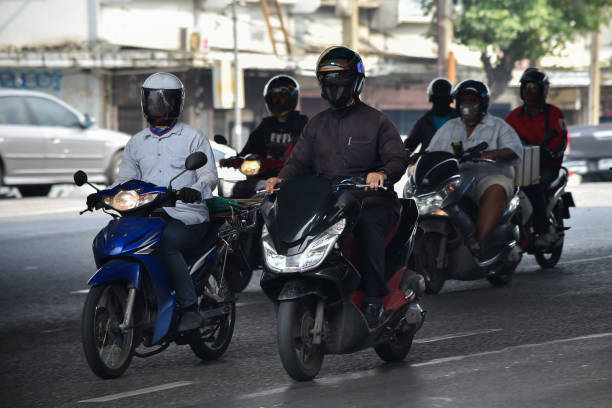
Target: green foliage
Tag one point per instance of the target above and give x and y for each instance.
(531, 28)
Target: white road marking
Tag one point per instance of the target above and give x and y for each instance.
(30, 213)
(534, 268)
(78, 292)
(141, 391)
(506, 349)
(368, 373)
(455, 336)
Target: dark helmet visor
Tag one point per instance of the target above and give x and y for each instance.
(162, 104)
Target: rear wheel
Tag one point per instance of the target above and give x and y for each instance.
(397, 348)
(34, 190)
(217, 331)
(549, 257)
(302, 359)
(113, 168)
(425, 263)
(108, 348)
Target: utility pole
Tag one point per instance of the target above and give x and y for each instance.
(441, 17)
(237, 131)
(349, 11)
(594, 88)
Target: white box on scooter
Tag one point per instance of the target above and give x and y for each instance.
(528, 172)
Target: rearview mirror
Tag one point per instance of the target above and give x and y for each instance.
(195, 161)
(220, 139)
(80, 178)
(88, 121)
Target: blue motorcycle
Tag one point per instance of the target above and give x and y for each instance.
(131, 309)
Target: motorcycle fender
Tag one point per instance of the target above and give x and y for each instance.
(117, 269)
(296, 289)
(439, 225)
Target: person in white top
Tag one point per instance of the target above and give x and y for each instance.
(493, 186)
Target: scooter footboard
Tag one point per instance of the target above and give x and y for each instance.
(348, 331)
(117, 269)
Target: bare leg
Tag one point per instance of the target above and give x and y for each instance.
(491, 209)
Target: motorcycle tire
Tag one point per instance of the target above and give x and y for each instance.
(302, 360)
(396, 349)
(239, 270)
(216, 333)
(500, 280)
(548, 259)
(103, 312)
(425, 252)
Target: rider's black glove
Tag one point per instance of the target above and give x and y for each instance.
(93, 200)
(189, 195)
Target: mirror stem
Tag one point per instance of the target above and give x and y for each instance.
(174, 178)
(94, 187)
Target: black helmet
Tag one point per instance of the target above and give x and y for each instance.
(281, 94)
(472, 87)
(439, 87)
(161, 97)
(533, 74)
(341, 75)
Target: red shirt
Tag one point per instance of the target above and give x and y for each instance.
(532, 130)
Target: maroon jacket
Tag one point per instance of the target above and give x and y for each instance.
(351, 142)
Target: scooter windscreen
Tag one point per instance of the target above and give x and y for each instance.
(433, 168)
(299, 206)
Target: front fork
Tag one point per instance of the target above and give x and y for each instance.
(317, 329)
(127, 319)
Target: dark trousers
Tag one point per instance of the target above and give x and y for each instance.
(372, 225)
(177, 240)
(537, 196)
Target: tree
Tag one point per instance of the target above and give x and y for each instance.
(506, 31)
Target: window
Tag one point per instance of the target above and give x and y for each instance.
(50, 113)
(13, 111)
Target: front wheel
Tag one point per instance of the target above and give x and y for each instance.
(548, 258)
(108, 348)
(425, 254)
(217, 331)
(302, 359)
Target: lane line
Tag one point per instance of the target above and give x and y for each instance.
(371, 372)
(141, 391)
(43, 212)
(78, 292)
(511, 348)
(455, 336)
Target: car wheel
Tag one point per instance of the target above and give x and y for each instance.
(113, 168)
(34, 190)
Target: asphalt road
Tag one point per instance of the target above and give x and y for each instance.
(545, 340)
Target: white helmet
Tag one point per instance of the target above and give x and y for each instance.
(162, 96)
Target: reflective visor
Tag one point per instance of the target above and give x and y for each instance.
(162, 103)
(340, 78)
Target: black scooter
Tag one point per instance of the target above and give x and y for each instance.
(311, 274)
(447, 218)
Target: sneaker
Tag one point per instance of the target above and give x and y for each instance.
(544, 240)
(190, 320)
(373, 312)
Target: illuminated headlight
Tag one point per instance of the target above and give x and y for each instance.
(514, 203)
(429, 203)
(129, 199)
(310, 258)
(250, 167)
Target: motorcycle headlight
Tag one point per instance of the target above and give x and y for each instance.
(310, 258)
(129, 199)
(250, 167)
(429, 203)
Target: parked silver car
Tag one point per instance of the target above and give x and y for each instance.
(43, 141)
